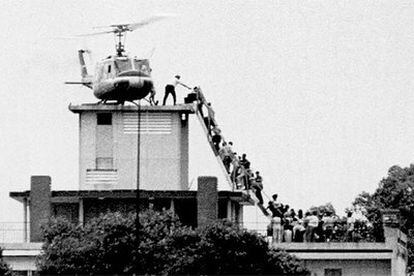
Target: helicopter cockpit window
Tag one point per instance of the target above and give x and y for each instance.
(123, 65)
(142, 65)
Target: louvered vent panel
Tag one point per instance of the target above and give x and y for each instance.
(102, 178)
(151, 123)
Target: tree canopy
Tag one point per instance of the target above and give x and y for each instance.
(4, 268)
(327, 207)
(109, 245)
(395, 191)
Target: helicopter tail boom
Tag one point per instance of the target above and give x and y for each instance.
(87, 84)
(86, 78)
(84, 71)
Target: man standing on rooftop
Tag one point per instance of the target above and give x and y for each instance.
(170, 89)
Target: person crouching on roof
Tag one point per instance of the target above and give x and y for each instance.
(152, 97)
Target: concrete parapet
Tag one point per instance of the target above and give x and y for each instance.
(182, 108)
(21, 256)
(395, 239)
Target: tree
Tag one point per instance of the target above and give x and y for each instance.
(328, 207)
(4, 268)
(108, 245)
(225, 248)
(394, 192)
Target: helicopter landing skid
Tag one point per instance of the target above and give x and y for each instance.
(151, 101)
(101, 102)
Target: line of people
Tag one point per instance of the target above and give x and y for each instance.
(288, 226)
(238, 167)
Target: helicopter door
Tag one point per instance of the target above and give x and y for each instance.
(99, 72)
(109, 70)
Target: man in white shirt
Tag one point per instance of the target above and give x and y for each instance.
(170, 89)
(313, 222)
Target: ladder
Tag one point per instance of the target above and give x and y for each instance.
(219, 160)
(201, 101)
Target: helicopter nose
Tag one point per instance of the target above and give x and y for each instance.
(123, 84)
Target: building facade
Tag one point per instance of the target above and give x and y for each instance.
(120, 170)
(120, 153)
(108, 146)
(356, 258)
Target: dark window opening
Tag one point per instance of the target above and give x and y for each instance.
(161, 203)
(104, 118)
(186, 210)
(68, 211)
(109, 68)
(222, 208)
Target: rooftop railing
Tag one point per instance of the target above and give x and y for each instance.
(13, 232)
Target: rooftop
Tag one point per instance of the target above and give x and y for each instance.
(70, 195)
(338, 250)
(181, 108)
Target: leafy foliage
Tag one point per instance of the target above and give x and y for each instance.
(95, 248)
(362, 232)
(4, 268)
(108, 245)
(328, 207)
(394, 192)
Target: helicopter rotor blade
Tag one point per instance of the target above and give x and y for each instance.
(120, 28)
(142, 23)
(97, 33)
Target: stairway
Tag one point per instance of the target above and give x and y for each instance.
(206, 124)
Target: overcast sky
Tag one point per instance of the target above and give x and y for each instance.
(319, 94)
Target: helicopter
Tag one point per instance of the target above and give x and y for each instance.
(119, 77)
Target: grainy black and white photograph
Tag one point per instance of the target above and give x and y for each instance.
(207, 137)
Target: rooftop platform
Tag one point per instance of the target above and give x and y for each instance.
(179, 108)
(350, 258)
(21, 256)
(338, 250)
(74, 195)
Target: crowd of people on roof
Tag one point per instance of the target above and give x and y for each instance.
(287, 225)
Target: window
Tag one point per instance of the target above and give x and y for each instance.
(104, 163)
(104, 119)
(142, 66)
(123, 64)
(333, 272)
(109, 68)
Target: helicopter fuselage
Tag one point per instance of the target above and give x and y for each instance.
(122, 78)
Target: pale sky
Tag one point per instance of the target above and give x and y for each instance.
(319, 94)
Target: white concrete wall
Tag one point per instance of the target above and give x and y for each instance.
(21, 256)
(87, 126)
(351, 267)
(364, 258)
(163, 157)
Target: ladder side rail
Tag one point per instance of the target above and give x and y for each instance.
(220, 161)
(201, 101)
